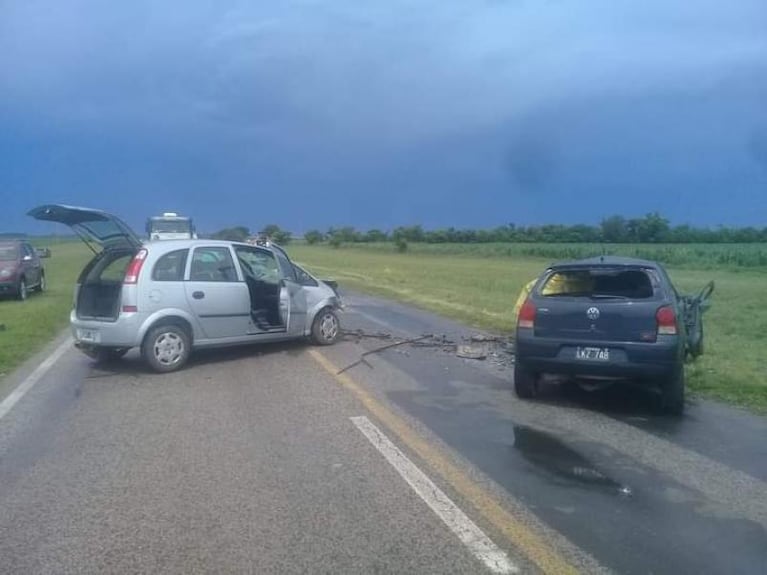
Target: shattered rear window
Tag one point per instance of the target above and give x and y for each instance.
(601, 283)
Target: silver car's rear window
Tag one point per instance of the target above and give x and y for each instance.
(601, 282)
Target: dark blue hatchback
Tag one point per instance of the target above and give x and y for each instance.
(607, 318)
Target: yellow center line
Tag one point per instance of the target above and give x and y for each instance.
(530, 543)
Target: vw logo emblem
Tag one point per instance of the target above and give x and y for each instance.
(592, 313)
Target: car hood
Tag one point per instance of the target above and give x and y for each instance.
(106, 230)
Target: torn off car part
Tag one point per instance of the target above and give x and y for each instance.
(379, 349)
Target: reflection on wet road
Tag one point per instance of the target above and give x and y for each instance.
(553, 455)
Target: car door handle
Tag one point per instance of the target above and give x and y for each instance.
(198, 294)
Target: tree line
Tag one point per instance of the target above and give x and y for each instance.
(243, 233)
(650, 229)
(653, 228)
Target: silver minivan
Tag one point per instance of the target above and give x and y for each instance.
(169, 297)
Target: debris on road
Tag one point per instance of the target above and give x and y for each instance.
(379, 349)
(471, 352)
(477, 347)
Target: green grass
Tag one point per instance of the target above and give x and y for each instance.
(30, 324)
(689, 256)
(480, 289)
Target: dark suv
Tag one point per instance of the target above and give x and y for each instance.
(608, 319)
(20, 269)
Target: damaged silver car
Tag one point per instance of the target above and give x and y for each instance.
(168, 298)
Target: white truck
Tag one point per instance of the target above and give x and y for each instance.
(170, 226)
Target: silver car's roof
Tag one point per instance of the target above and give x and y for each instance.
(188, 243)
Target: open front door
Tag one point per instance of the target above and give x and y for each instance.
(293, 296)
(694, 307)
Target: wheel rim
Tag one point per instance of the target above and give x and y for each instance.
(42, 283)
(23, 290)
(168, 348)
(329, 327)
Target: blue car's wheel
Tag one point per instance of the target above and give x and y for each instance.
(525, 381)
(672, 393)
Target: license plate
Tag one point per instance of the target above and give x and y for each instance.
(592, 353)
(90, 335)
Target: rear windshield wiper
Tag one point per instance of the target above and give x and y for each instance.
(608, 296)
(587, 294)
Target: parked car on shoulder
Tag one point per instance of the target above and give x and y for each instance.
(609, 319)
(21, 270)
(170, 297)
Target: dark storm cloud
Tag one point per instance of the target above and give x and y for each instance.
(374, 113)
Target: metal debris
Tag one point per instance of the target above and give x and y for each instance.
(382, 348)
(497, 349)
(471, 352)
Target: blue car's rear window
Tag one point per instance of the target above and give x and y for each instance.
(600, 282)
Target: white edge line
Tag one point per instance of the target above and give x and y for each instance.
(15, 396)
(464, 528)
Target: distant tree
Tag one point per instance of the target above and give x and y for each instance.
(335, 241)
(614, 229)
(401, 244)
(408, 233)
(313, 237)
(375, 236)
(235, 234)
(348, 234)
(270, 230)
(653, 228)
(282, 237)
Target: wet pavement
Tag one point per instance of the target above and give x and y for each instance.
(641, 492)
(246, 461)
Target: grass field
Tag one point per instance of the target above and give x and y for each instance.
(477, 287)
(480, 289)
(30, 324)
(688, 256)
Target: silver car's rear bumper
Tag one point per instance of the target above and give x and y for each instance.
(123, 332)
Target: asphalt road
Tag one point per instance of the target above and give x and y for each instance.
(250, 461)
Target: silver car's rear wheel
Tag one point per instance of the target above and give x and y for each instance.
(166, 348)
(326, 327)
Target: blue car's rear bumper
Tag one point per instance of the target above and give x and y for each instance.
(627, 359)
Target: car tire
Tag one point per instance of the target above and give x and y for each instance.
(22, 292)
(525, 381)
(41, 286)
(166, 348)
(325, 328)
(672, 393)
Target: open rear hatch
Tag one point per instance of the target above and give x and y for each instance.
(599, 304)
(94, 227)
(99, 288)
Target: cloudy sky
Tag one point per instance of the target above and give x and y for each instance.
(313, 113)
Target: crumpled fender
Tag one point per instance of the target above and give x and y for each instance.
(332, 301)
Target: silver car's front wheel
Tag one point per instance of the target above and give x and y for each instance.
(166, 348)
(326, 327)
